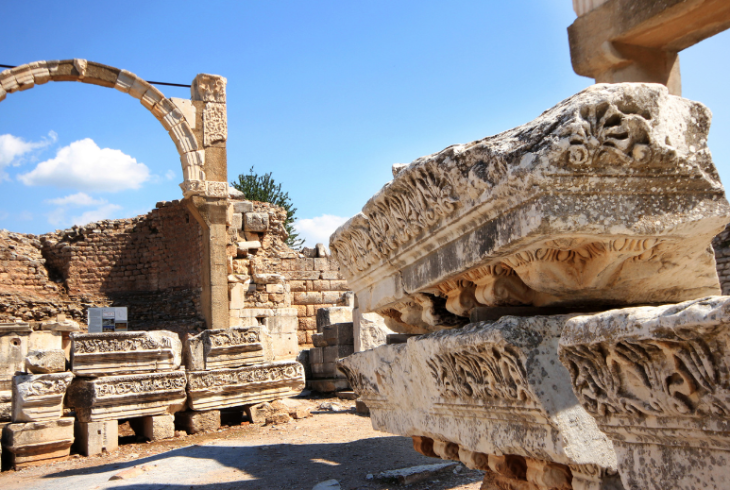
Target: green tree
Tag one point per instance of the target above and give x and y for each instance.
(262, 188)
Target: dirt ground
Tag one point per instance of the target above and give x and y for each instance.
(295, 456)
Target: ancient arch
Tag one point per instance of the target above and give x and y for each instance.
(198, 127)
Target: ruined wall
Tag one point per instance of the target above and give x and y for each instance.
(272, 276)
(721, 244)
(150, 263)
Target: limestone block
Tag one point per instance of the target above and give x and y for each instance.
(184, 138)
(243, 207)
(151, 97)
(14, 346)
(333, 353)
(256, 222)
(156, 427)
(257, 414)
(369, 330)
(187, 108)
(97, 354)
(268, 279)
(237, 221)
(237, 296)
(318, 340)
(32, 442)
(127, 396)
(493, 388)
(39, 397)
(283, 327)
(228, 348)
(125, 80)
(332, 315)
(93, 438)
(610, 197)
(138, 88)
(338, 334)
(213, 390)
(45, 361)
(6, 397)
(657, 381)
(196, 422)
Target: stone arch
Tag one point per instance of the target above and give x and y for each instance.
(190, 149)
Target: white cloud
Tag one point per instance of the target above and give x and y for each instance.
(78, 199)
(83, 165)
(107, 211)
(13, 148)
(318, 230)
(169, 175)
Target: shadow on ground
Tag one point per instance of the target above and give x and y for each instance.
(224, 466)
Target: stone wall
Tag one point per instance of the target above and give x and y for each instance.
(721, 244)
(150, 263)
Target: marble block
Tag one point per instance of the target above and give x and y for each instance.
(228, 348)
(34, 442)
(39, 397)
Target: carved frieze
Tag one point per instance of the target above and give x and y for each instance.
(216, 189)
(609, 196)
(657, 381)
(97, 354)
(38, 397)
(228, 348)
(215, 123)
(220, 388)
(193, 188)
(133, 395)
(491, 388)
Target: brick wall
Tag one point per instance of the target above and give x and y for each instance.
(721, 244)
(150, 263)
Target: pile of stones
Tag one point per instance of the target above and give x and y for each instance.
(581, 241)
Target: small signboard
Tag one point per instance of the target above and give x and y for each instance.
(108, 319)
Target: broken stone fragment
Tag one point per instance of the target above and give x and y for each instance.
(656, 381)
(228, 348)
(414, 474)
(98, 354)
(46, 361)
(127, 396)
(610, 197)
(39, 397)
(220, 388)
(256, 222)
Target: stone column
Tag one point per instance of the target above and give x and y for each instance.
(207, 199)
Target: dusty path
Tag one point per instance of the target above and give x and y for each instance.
(295, 456)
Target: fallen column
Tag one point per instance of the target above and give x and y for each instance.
(657, 381)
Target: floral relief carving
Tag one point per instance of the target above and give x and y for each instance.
(259, 374)
(215, 123)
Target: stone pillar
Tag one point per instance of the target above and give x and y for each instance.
(94, 437)
(158, 427)
(195, 422)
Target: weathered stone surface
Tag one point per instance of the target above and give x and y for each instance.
(14, 344)
(156, 427)
(228, 348)
(332, 315)
(369, 330)
(657, 381)
(98, 354)
(610, 197)
(93, 438)
(31, 442)
(213, 390)
(46, 361)
(488, 388)
(127, 396)
(256, 222)
(195, 422)
(39, 397)
(6, 397)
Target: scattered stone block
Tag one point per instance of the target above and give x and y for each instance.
(258, 413)
(39, 397)
(228, 348)
(156, 427)
(46, 361)
(414, 474)
(242, 207)
(93, 438)
(98, 354)
(34, 442)
(332, 315)
(220, 388)
(196, 422)
(127, 396)
(256, 222)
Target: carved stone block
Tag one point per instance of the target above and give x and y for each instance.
(657, 381)
(127, 396)
(93, 438)
(213, 390)
(256, 222)
(39, 397)
(46, 361)
(228, 348)
(32, 442)
(610, 197)
(99, 354)
(490, 388)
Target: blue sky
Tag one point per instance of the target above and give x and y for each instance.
(326, 95)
